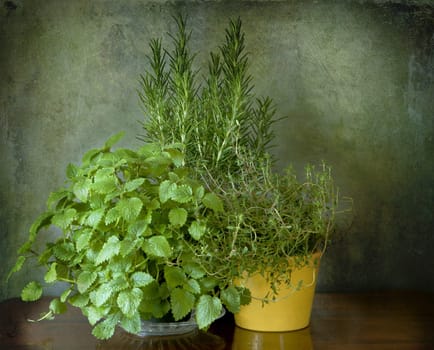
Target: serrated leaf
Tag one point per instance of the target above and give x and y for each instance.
(79, 300)
(128, 301)
(82, 240)
(181, 302)
(231, 298)
(194, 270)
(118, 284)
(141, 279)
(208, 309)
(64, 219)
(174, 276)
(112, 140)
(157, 246)
(51, 274)
(178, 216)
(133, 184)
(129, 208)
(17, 267)
(64, 251)
(208, 283)
(85, 280)
(95, 217)
(94, 313)
(81, 189)
(245, 296)
(31, 292)
(127, 246)
(192, 286)
(109, 250)
(133, 324)
(111, 216)
(182, 194)
(101, 295)
(104, 181)
(138, 228)
(197, 230)
(212, 201)
(57, 307)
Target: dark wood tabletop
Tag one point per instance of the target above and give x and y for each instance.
(387, 320)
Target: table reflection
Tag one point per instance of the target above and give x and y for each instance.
(249, 340)
(195, 340)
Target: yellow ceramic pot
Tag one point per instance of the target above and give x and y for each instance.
(291, 308)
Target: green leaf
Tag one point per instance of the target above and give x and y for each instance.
(101, 295)
(119, 283)
(211, 201)
(157, 246)
(182, 194)
(64, 219)
(199, 192)
(109, 250)
(208, 283)
(181, 302)
(133, 324)
(94, 313)
(104, 329)
(174, 276)
(17, 267)
(128, 245)
(138, 228)
(85, 280)
(71, 171)
(112, 215)
(64, 251)
(55, 197)
(178, 216)
(112, 140)
(82, 240)
(89, 156)
(194, 270)
(51, 275)
(31, 292)
(57, 307)
(129, 208)
(104, 181)
(133, 184)
(197, 230)
(245, 296)
(166, 190)
(231, 298)
(65, 295)
(81, 189)
(192, 286)
(79, 300)
(208, 309)
(94, 218)
(128, 301)
(141, 279)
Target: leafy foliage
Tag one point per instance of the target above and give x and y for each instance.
(130, 221)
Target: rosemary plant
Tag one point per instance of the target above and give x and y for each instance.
(218, 120)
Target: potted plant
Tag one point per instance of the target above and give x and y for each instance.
(273, 225)
(129, 224)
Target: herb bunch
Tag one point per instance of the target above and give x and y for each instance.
(129, 222)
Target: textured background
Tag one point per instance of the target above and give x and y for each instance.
(354, 78)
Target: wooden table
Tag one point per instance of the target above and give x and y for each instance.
(339, 321)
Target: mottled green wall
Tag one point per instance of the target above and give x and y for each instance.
(355, 78)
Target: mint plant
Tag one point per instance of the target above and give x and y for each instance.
(130, 224)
